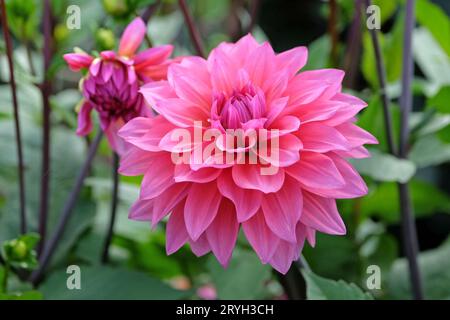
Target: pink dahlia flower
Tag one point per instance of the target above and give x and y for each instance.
(246, 86)
(111, 86)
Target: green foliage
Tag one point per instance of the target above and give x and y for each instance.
(103, 282)
(383, 202)
(435, 272)
(435, 20)
(385, 167)
(244, 278)
(319, 288)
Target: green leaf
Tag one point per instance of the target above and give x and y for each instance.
(383, 202)
(244, 278)
(102, 282)
(340, 250)
(432, 17)
(318, 53)
(440, 101)
(432, 60)
(372, 120)
(27, 295)
(385, 167)
(435, 272)
(429, 151)
(319, 288)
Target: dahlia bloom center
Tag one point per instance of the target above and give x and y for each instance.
(238, 110)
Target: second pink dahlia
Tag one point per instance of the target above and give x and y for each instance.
(247, 86)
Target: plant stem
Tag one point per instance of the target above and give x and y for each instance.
(293, 283)
(50, 247)
(146, 15)
(409, 232)
(254, 10)
(352, 55)
(150, 11)
(383, 91)
(30, 58)
(114, 201)
(46, 89)
(193, 31)
(20, 168)
(332, 30)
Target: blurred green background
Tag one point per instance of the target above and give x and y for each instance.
(139, 267)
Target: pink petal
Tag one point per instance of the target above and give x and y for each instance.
(180, 112)
(321, 138)
(246, 201)
(132, 37)
(116, 143)
(283, 209)
(224, 75)
(146, 133)
(316, 170)
(293, 60)
(176, 234)
(355, 135)
(201, 246)
(135, 162)
(285, 253)
(201, 208)
(84, 119)
(248, 176)
(223, 231)
(260, 64)
(191, 81)
(158, 177)
(321, 214)
(261, 238)
(166, 201)
(183, 172)
(141, 210)
(152, 56)
(77, 61)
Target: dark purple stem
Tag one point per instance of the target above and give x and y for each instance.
(409, 232)
(46, 89)
(193, 31)
(9, 53)
(352, 55)
(383, 91)
(150, 11)
(50, 247)
(114, 201)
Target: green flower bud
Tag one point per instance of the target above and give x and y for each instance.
(19, 249)
(116, 8)
(105, 39)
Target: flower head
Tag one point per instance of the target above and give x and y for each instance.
(303, 118)
(111, 86)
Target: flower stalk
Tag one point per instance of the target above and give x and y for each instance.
(114, 202)
(50, 247)
(409, 232)
(20, 167)
(193, 31)
(46, 89)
